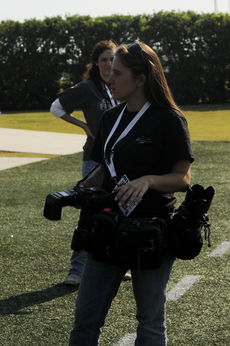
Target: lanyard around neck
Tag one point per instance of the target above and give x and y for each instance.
(110, 96)
(110, 163)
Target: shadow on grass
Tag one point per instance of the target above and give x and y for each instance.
(13, 305)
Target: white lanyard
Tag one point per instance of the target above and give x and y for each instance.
(110, 163)
(110, 96)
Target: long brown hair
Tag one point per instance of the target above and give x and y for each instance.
(156, 87)
(92, 69)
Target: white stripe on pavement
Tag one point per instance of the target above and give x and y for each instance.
(9, 162)
(41, 142)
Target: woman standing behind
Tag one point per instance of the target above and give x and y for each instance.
(93, 96)
(157, 164)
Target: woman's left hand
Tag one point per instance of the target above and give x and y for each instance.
(127, 193)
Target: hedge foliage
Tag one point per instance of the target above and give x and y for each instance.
(39, 58)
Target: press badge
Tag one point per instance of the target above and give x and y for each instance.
(126, 210)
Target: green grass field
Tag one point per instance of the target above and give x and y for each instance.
(36, 308)
(206, 123)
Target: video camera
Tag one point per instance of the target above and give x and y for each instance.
(91, 198)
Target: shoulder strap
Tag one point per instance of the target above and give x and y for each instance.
(138, 129)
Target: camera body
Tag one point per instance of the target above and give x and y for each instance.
(89, 198)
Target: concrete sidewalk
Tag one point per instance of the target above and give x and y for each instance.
(37, 142)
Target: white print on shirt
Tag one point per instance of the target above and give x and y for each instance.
(143, 139)
(103, 105)
(126, 210)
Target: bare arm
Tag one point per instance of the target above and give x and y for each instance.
(175, 181)
(75, 121)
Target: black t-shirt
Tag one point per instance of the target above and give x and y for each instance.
(157, 141)
(92, 98)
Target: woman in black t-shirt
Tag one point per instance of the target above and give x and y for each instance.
(92, 96)
(145, 142)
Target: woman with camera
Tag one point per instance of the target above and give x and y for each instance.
(154, 163)
(93, 96)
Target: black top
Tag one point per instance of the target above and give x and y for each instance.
(92, 98)
(159, 139)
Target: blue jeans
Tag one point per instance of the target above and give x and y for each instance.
(99, 285)
(77, 260)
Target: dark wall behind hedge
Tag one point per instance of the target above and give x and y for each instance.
(39, 58)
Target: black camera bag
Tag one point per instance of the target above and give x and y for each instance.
(96, 234)
(133, 243)
(81, 240)
(140, 242)
(104, 236)
(184, 239)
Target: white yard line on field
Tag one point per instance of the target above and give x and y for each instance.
(220, 250)
(179, 290)
(183, 285)
(127, 340)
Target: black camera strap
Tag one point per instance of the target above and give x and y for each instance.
(92, 170)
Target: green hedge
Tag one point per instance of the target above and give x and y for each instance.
(39, 58)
